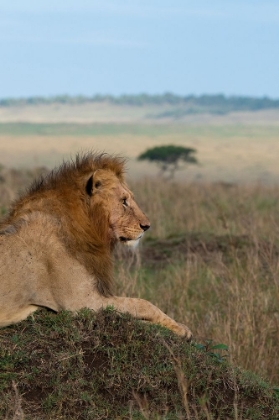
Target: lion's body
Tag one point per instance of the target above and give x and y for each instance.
(56, 243)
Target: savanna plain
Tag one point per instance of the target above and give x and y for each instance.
(211, 258)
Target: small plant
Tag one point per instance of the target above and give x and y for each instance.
(169, 158)
(210, 349)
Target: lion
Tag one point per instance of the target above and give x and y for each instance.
(56, 243)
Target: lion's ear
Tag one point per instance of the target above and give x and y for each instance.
(92, 183)
(89, 186)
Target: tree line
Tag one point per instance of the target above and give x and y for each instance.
(190, 103)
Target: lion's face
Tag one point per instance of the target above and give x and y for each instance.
(127, 223)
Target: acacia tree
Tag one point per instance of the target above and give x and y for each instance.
(169, 158)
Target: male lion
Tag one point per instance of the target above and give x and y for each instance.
(56, 243)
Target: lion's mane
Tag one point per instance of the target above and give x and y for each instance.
(62, 195)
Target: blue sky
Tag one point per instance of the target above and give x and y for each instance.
(127, 46)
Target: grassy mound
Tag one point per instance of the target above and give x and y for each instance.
(110, 366)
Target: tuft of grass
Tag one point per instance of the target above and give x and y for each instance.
(107, 365)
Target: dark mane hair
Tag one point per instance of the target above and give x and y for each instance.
(83, 164)
(83, 229)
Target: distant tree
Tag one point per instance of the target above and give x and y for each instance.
(169, 158)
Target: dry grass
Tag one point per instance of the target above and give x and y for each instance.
(240, 152)
(225, 285)
(98, 112)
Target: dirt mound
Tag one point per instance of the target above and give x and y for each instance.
(106, 366)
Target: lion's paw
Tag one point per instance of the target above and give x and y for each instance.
(185, 332)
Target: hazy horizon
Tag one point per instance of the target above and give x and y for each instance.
(102, 96)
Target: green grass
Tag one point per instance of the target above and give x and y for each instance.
(97, 129)
(97, 366)
(153, 130)
(3, 210)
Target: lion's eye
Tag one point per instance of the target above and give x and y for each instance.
(124, 201)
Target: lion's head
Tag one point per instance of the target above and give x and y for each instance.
(126, 222)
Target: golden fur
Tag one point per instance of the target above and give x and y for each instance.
(56, 243)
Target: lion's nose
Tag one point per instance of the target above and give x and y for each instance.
(145, 227)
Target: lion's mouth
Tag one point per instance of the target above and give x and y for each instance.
(131, 242)
(123, 239)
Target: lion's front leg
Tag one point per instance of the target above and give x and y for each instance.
(142, 309)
